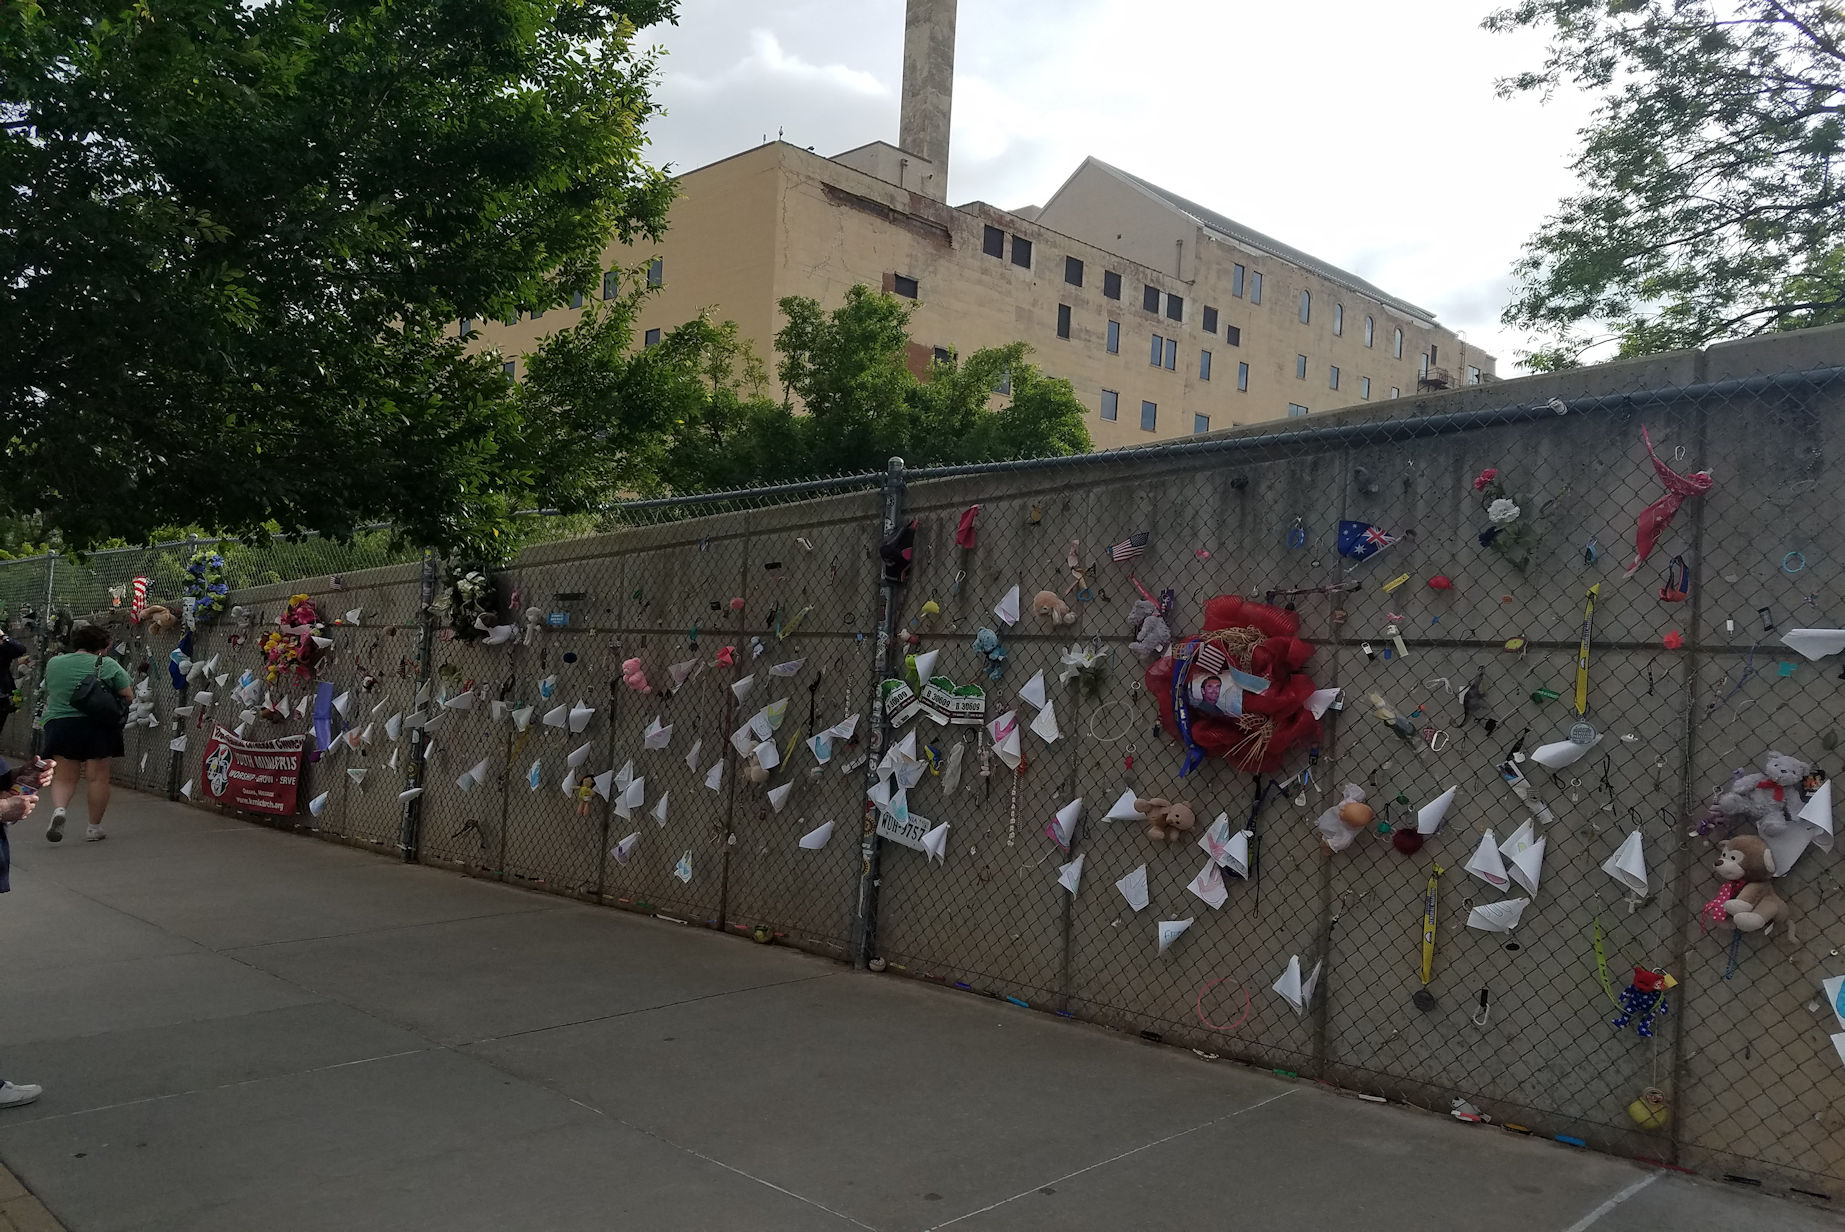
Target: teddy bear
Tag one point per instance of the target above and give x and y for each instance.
(1769, 801)
(1152, 636)
(1049, 606)
(159, 618)
(1165, 819)
(1746, 867)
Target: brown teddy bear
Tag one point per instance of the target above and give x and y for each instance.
(158, 618)
(1051, 607)
(1746, 867)
(1165, 819)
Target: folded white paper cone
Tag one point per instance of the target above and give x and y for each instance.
(1007, 609)
(659, 809)
(778, 796)
(817, 837)
(1133, 887)
(1208, 885)
(1628, 864)
(624, 850)
(1499, 917)
(461, 701)
(1429, 816)
(557, 716)
(1486, 864)
(1816, 816)
(714, 777)
(522, 718)
(1124, 810)
(1063, 824)
(691, 756)
(1320, 701)
(741, 689)
(318, 804)
(1815, 643)
(1070, 875)
(1171, 930)
(580, 716)
(1563, 753)
(935, 843)
(925, 664)
(1045, 725)
(1033, 692)
(1295, 989)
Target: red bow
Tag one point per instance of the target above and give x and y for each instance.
(1780, 791)
(1657, 516)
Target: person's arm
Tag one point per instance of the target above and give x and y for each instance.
(125, 686)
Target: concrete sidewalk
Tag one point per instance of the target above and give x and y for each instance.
(242, 1029)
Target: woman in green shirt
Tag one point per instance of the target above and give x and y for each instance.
(79, 744)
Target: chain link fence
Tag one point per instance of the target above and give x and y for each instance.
(709, 666)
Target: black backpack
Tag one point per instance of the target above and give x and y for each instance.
(98, 702)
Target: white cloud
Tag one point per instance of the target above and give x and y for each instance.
(1367, 134)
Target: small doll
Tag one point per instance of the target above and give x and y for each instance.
(1645, 999)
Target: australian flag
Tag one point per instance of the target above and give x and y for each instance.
(1362, 541)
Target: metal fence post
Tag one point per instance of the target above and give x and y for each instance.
(411, 842)
(867, 925)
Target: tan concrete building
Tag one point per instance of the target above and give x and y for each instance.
(1167, 317)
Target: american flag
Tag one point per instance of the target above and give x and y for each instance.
(1211, 658)
(1130, 547)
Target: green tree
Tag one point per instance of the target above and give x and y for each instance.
(1713, 174)
(695, 416)
(237, 237)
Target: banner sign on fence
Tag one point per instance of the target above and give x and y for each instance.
(260, 775)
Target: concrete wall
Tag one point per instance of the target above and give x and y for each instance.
(1743, 1055)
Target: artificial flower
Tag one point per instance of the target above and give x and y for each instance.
(1502, 511)
(1485, 477)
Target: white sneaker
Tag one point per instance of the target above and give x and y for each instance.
(94, 834)
(55, 831)
(17, 1095)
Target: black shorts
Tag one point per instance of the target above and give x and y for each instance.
(82, 739)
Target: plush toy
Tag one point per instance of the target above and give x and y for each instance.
(1767, 802)
(1152, 635)
(534, 622)
(1644, 999)
(986, 645)
(754, 770)
(634, 675)
(1165, 819)
(159, 619)
(1049, 607)
(1747, 867)
(1340, 824)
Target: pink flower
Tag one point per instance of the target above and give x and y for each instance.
(1486, 477)
(1674, 640)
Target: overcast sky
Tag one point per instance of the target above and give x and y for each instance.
(1366, 133)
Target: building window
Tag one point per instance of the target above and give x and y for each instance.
(467, 326)
(1242, 378)
(1149, 416)
(1236, 281)
(1175, 308)
(511, 318)
(1111, 285)
(1200, 424)
(1073, 271)
(576, 299)
(1364, 387)
(903, 286)
(1396, 344)
(1172, 355)
(656, 272)
(1111, 405)
(511, 369)
(1395, 392)
(537, 312)
(1370, 330)
(1335, 377)
(1063, 320)
(1432, 353)
(1422, 364)
(1204, 365)
(1021, 252)
(1150, 299)
(1306, 307)
(944, 356)
(994, 243)
(1296, 410)
(1114, 337)
(1255, 288)
(1158, 351)
(650, 338)
(1300, 367)
(1473, 375)
(1210, 321)
(1004, 384)
(611, 283)
(1338, 320)
(1233, 335)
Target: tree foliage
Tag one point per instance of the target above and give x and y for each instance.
(1713, 173)
(236, 238)
(698, 417)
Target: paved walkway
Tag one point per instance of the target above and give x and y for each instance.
(239, 1029)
